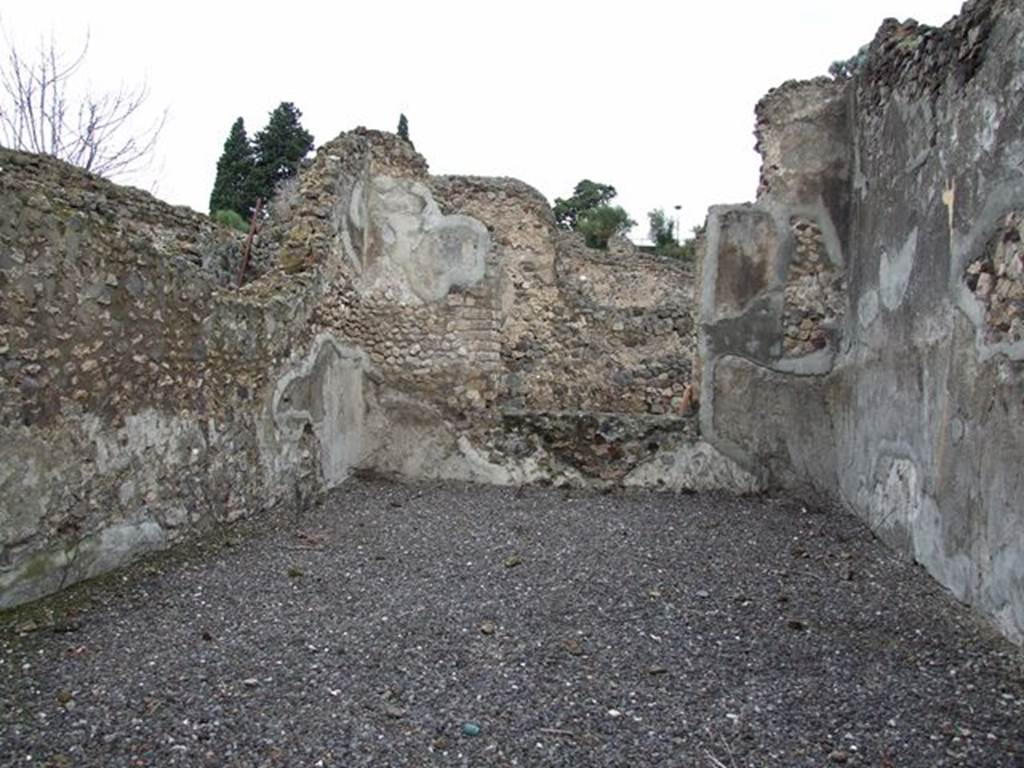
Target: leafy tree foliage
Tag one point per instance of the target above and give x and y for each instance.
(588, 212)
(232, 189)
(403, 128)
(662, 230)
(687, 250)
(666, 243)
(844, 70)
(598, 225)
(230, 218)
(249, 170)
(587, 196)
(279, 148)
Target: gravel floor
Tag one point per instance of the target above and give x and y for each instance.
(389, 625)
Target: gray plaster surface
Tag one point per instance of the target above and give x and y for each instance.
(911, 414)
(576, 629)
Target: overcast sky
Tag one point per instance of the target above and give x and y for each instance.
(654, 98)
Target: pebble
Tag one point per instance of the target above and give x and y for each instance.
(629, 660)
(573, 646)
(838, 756)
(470, 729)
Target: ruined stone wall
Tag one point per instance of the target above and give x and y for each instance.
(499, 348)
(614, 335)
(872, 297)
(596, 353)
(411, 286)
(141, 398)
(393, 321)
(532, 319)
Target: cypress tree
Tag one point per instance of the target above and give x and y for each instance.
(403, 127)
(232, 188)
(279, 149)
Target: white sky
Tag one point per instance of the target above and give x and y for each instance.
(655, 98)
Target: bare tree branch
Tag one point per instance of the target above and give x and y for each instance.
(41, 112)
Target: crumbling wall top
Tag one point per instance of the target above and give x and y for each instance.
(916, 59)
(801, 136)
(388, 154)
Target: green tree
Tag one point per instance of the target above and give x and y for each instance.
(232, 189)
(661, 231)
(844, 70)
(666, 242)
(279, 148)
(403, 128)
(688, 248)
(587, 196)
(598, 225)
(588, 212)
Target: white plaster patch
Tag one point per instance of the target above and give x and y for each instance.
(410, 251)
(478, 468)
(324, 391)
(172, 438)
(867, 308)
(894, 272)
(949, 200)
(694, 467)
(896, 500)
(115, 546)
(39, 575)
(989, 116)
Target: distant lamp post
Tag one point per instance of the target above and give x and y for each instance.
(678, 209)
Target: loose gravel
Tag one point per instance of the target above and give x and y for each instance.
(447, 624)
